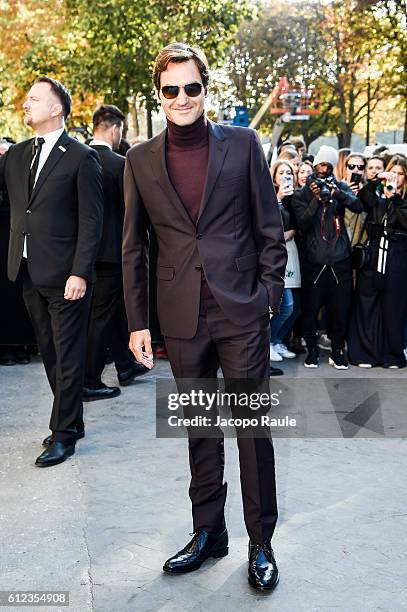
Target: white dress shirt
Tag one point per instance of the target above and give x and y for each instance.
(50, 141)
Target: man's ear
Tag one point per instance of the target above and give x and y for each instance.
(157, 95)
(56, 110)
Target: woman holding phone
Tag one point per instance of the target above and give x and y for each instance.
(283, 175)
(354, 176)
(376, 334)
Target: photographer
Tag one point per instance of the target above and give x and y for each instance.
(380, 306)
(326, 273)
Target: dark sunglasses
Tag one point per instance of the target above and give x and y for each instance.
(171, 92)
(358, 166)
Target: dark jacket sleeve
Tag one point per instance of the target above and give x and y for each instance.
(398, 211)
(304, 209)
(346, 198)
(267, 225)
(90, 215)
(135, 252)
(3, 159)
(367, 195)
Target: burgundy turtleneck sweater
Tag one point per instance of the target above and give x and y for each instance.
(187, 150)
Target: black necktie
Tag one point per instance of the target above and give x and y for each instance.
(35, 161)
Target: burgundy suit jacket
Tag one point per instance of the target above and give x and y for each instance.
(238, 239)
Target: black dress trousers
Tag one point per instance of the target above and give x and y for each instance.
(107, 324)
(60, 326)
(241, 353)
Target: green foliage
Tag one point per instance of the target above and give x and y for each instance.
(107, 47)
(116, 42)
(341, 48)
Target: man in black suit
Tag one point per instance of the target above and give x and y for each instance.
(54, 184)
(108, 322)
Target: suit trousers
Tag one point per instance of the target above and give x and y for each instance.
(241, 353)
(60, 327)
(107, 324)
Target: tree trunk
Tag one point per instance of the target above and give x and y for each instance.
(134, 116)
(345, 137)
(149, 122)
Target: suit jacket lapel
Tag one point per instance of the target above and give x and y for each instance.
(53, 158)
(217, 151)
(26, 162)
(159, 166)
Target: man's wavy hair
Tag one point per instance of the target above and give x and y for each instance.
(179, 52)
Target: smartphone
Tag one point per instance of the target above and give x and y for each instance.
(355, 178)
(287, 182)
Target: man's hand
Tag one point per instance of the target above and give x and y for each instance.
(315, 190)
(140, 346)
(336, 192)
(289, 235)
(75, 288)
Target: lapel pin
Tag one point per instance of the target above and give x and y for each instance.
(62, 148)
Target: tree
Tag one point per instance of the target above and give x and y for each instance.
(391, 17)
(106, 51)
(116, 42)
(339, 47)
(278, 44)
(356, 57)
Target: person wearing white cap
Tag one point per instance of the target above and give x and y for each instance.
(326, 273)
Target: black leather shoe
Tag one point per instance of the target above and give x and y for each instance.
(7, 358)
(58, 452)
(275, 371)
(202, 546)
(126, 377)
(263, 571)
(49, 439)
(22, 356)
(103, 392)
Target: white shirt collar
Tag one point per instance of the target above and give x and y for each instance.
(51, 137)
(101, 143)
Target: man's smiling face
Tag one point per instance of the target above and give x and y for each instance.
(182, 110)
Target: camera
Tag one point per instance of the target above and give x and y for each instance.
(326, 186)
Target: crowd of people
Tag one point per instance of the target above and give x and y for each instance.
(336, 207)
(345, 225)
(331, 301)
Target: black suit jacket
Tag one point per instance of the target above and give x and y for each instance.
(110, 249)
(238, 238)
(63, 217)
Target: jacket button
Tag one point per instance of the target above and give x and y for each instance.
(28, 212)
(199, 236)
(198, 268)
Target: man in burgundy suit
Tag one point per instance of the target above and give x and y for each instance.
(206, 190)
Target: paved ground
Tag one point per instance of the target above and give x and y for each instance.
(101, 524)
